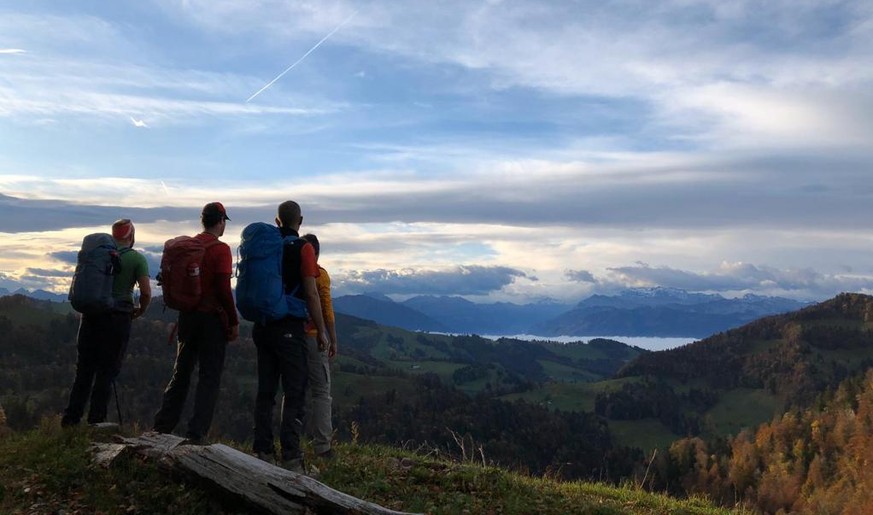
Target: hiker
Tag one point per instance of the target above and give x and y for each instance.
(103, 336)
(281, 347)
(318, 399)
(203, 333)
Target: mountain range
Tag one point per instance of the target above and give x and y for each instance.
(35, 294)
(661, 312)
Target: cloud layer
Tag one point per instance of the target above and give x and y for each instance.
(461, 280)
(472, 147)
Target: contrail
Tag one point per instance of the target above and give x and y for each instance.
(338, 27)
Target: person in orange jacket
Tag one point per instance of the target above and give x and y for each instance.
(318, 402)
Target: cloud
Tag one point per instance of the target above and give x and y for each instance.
(743, 277)
(65, 256)
(582, 133)
(47, 272)
(41, 101)
(93, 69)
(138, 123)
(777, 71)
(647, 191)
(582, 276)
(153, 260)
(11, 51)
(25, 215)
(461, 280)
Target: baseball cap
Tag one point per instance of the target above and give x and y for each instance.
(215, 208)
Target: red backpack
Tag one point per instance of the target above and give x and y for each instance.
(179, 277)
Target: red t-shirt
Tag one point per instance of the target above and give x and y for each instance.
(215, 273)
(308, 266)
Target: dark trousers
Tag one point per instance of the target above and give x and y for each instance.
(281, 356)
(202, 339)
(101, 343)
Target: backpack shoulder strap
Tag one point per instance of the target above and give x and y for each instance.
(296, 243)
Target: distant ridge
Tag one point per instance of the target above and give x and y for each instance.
(654, 312)
(498, 318)
(384, 311)
(35, 294)
(662, 312)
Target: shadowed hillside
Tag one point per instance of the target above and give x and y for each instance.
(386, 312)
(744, 376)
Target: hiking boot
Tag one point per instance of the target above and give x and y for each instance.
(325, 455)
(195, 440)
(294, 465)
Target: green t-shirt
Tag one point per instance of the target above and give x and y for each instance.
(133, 265)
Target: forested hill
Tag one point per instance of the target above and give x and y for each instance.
(758, 370)
(812, 460)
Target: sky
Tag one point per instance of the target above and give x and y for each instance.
(500, 150)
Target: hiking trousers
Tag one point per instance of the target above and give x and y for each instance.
(317, 422)
(203, 340)
(281, 356)
(101, 343)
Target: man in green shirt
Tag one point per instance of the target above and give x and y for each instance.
(102, 339)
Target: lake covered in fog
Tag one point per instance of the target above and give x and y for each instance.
(644, 342)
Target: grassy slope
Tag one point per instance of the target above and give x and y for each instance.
(743, 408)
(48, 469)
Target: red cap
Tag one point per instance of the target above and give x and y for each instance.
(214, 208)
(122, 229)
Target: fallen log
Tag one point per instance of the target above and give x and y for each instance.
(255, 483)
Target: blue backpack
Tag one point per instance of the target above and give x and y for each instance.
(260, 291)
(97, 264)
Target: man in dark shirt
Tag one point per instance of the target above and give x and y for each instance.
(282, 352)
(203, 334)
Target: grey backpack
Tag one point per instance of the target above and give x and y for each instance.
(96, 267)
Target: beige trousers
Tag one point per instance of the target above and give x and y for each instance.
(317, 421)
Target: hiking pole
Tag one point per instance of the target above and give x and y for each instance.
(117, 405)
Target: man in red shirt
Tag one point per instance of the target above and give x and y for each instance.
(203, 334)
(282, 352)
